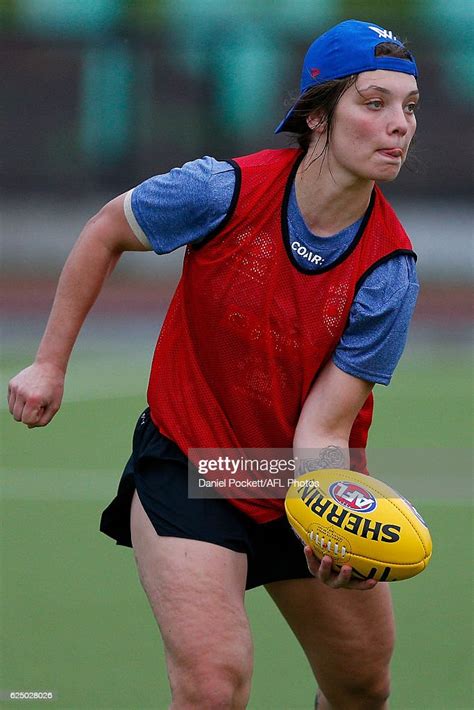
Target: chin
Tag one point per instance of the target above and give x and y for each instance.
(387, 175)
(386, 179)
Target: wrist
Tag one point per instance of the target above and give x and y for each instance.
(55, 364)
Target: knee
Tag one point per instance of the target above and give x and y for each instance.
(368, 685)
(364, 691)
(372, 692)
(219, 685)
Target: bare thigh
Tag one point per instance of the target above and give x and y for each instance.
(347, 636)
(196, 591)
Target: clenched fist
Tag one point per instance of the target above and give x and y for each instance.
(35, 394)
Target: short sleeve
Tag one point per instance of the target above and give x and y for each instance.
(185, 205)
(378, 324)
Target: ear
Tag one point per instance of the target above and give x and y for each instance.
(317, 122)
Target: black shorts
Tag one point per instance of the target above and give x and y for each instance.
(158, 470)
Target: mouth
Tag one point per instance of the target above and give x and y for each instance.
(391, 152)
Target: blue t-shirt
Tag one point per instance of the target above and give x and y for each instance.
(185, 205)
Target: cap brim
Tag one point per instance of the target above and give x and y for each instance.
(282, 126)
(291, 122)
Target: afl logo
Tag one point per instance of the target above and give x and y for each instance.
(352, 496)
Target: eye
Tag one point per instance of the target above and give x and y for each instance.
(411, 107)
(375, 104)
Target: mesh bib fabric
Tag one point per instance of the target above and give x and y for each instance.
(248, 330)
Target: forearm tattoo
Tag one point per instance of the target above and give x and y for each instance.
(329, 457)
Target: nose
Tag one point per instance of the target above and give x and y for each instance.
(398, 122)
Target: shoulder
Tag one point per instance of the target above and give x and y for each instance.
(397, 267)
(395, 275)
(183, 205)
(194, 175)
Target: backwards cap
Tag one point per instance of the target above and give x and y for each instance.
(348, 48)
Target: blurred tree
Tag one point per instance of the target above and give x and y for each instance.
(69, 18)
(7, 14)
(238, 45)
(106, 109)
(393, 15)
(145, 15)
(105, 114)
(452, 25)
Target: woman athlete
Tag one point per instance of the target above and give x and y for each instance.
(297, 290)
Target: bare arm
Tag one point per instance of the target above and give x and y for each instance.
(35, 394)
(328, 414)
(322, 437)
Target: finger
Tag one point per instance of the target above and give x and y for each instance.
(343, 578)
(46, 416)
(17, 408)
(312, 561)
(362, 585)
(31, 413)
(11, 399)
(326, 573)
(11, 402)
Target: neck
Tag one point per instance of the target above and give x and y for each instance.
(328, 201)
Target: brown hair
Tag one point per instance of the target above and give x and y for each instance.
(323, 99)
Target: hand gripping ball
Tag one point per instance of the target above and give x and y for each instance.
(360, 521)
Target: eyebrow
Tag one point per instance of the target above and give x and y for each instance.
(383, 90)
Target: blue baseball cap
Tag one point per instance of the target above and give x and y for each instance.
(348, 48)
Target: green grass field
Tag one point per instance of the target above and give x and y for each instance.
(74, 618)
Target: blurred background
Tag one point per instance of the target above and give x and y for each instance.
(96, 96)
